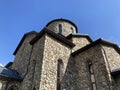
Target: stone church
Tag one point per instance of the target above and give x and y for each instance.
(58, 58)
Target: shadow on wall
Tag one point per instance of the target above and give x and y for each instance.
(69, 80)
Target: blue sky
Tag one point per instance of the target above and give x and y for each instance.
(98, 18)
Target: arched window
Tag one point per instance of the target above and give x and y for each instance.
(72, 31)
(59, 73)
(92, 76)
(13, 87)
(60, 28)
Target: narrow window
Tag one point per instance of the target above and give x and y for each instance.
(60, 28)
(59, 73)
(92, 77)
(72, 30)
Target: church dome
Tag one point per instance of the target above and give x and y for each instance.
(62, 26)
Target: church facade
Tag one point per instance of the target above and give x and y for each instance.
(58, 58)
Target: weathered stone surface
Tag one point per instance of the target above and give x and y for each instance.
(23, 55)
(67, 28)
(79, 42)
(116, 82)
(33, 76)
(38, 63)
(52, 53)
(102, 79)
(112, 56)
(7, 85)
(0, 85)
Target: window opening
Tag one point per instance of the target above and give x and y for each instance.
(92, 76)
(72, 30)
(13, 88)
(60, 28)
(59, 74)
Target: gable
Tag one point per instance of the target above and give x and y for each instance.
(22, 40)
(99, 41)
(59, 37)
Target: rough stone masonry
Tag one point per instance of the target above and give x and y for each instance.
(59, 58)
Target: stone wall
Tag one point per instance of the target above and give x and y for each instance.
(23, 55)
(38, 65)
(67, 28)
(101, 73)
(113, 57)
(54, 51)
(113, 61)
(43, 66)
(79, 42)
(22, 58)
(33, 76)
(69, 81)
(117, 81)
(6, 85)
(0, 85)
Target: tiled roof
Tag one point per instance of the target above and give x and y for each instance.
(6, 73)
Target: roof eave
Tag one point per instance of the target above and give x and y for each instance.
(61, 19)
(99, 41)
(79, 35)
(115, 73)
(10, 74)
(10, 79)
(23, 38)
(53, 34)
(9, 64)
